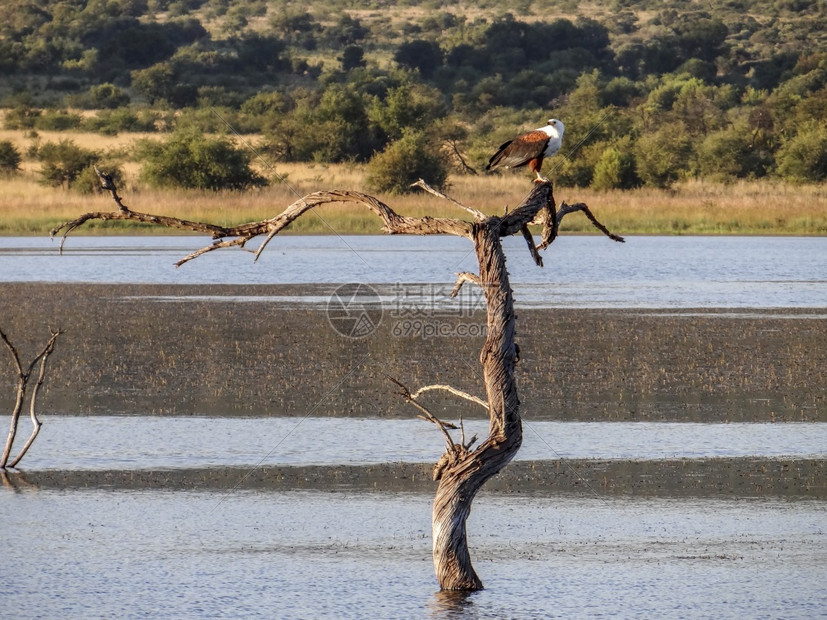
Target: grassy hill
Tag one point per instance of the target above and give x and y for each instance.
(660, 98)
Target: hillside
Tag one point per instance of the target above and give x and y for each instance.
(653, 93)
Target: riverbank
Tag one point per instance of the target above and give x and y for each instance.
(688, 208)
(128, 351)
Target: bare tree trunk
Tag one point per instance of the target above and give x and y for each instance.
(459, 483)
(461, 471)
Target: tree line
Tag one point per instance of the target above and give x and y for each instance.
(652, 92)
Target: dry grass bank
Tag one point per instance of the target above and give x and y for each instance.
(696, 207)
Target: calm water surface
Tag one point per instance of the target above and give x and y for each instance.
(95, 553)
(580, 271)
(156, 554)
(122, 442)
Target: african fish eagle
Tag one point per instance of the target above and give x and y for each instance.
(530, 148)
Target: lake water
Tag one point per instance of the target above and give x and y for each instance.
(580, 271)
(312, 554)
(95, 550)
(330, 552)
(126, 442)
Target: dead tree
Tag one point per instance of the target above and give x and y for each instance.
(462, 469)
(23, 377)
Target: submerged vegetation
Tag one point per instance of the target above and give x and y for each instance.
(687, 104)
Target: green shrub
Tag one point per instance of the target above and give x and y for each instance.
(803, 159)
(88, 181)
(403, 162)
(108, 96)
(112, 122)
(420, 54)
(190, 160)
(57, 120)
(10, 158)
(663, 156)
(576, 170)
(406, 107)
(353, 57)
(264, 103)
(615, 169)
(62, 162)
(21, 117)
(102, 96)
(333, 127)
(731, 154)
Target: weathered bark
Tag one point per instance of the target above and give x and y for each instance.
(394, 224)
(460, 481)
(23, 377)
(461, 471)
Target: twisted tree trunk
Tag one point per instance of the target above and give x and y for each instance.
(461, 471)
(459, 482)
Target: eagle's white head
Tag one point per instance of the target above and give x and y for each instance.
(558, 125)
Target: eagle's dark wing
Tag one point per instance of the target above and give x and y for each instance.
(519, 151)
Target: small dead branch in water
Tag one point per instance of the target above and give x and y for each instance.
(23, 377)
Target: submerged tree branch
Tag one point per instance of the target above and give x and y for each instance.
(23, 377)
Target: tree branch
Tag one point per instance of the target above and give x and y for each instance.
(539, 199)
(478, 215)
(462, 278)
(36, 423)
(565, 209)
(394, 223)
(22, 384)
(461, 472)
(450, 390)
(18, 404)
(428, 417)
(551, 225)
(108, 183)
(454, 151)
(529, 238)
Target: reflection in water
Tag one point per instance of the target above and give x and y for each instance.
(451, 604)
(16, 480)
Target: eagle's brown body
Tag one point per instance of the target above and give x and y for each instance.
(530, 149)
